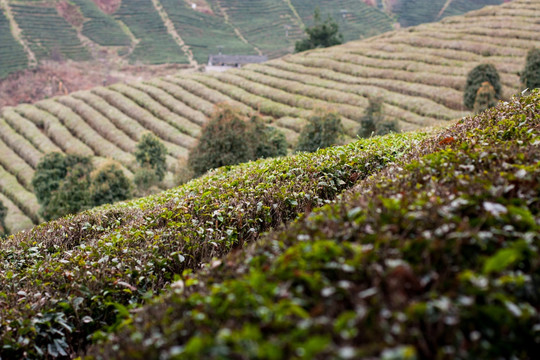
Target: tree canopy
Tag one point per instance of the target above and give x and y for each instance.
(475, 79)
(530, 76)
(322, 34)
(324, 129)
(230, 138)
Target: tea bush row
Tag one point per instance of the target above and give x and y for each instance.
(72, 277)
(435, 257)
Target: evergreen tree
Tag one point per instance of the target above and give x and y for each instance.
(485, 98)
(267, 141)
(475, 78)
(324, 129)
(67, 184)
(73, 194)
(231, 138)
(109, 184)
(372, 116)
(48, 182)
(322, 34)
(530, 76)
(3, 214)
(151, 153)
(373, 122)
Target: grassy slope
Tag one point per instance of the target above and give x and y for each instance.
(434, 257)
(65, 278)
(420, 72)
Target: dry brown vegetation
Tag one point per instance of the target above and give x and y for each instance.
(419, 72)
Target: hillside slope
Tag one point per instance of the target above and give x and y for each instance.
(150, 32)
(434, 248)
(420, 72)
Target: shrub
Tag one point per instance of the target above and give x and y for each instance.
(324, 129)
(321, 34)
(109, 184)
(485, 98)
(530, 77)
(231, 138)
(152, 153)
(475, 79)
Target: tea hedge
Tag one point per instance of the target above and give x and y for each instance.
(69, 278)
(435, 257)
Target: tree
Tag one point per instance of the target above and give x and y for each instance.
(67, 184)
(373, 121)
(73, 194)
(485, 97)
(266, 141)
(51, 172)
(475, 78)
(109, 184)
(231, 138)
(151, 153)
(3, 214)
(530, 76)
(324, 129)
(322, 34)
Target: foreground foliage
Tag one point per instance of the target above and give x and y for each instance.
(434, 258)
(80, 275)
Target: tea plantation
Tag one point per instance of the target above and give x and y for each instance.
(164, 31)
(419, 72)
(418, 245)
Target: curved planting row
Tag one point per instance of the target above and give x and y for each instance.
(11, 52)
(436, 257)
(420, 74)
(67, 279)
(48, 34)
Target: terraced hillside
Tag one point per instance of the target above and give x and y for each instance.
(165, 31)
(420, 73)
(430, 251)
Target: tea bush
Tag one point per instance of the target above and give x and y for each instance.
(81, 275)
(435, 257)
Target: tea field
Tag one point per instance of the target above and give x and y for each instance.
(163, 31)
(412, 245)
(420, 73)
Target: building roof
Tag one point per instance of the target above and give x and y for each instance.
(235, 59)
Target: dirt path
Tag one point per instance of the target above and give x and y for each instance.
(171, 29)
(236, 31)
(445, 6)
(293, 9)
(17, 34)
